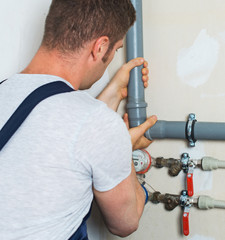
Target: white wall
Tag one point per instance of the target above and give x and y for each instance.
(184, 42)
(21, 27)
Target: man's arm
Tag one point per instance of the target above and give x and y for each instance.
(123, 205)
(116, 90)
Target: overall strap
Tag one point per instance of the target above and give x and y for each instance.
(3, 81)
(27, 106)
(81, 232)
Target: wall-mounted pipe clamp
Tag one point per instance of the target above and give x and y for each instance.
(190, 129)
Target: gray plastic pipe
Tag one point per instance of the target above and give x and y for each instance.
(209, 163)
(136, 105)
(200, 131)
(206, 202)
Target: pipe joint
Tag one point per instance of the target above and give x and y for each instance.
(138, 104)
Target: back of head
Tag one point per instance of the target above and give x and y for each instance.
(72, 23)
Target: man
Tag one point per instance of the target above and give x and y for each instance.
(72, 146)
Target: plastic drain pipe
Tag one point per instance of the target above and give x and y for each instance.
(136, 105)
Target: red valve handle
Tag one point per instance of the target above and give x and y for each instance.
(190, 185)
(186, 223)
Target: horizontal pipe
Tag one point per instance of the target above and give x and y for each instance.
(206, 202)
(210, 163)
(209, 131)
(177, 130)
(167, 129)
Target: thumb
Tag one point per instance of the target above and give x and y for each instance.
(126, 121)
(134, 63)
(139, 131)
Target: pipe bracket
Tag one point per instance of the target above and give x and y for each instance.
(190, 129)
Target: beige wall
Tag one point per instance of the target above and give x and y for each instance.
(184, 42)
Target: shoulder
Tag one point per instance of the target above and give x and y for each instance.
(97, 113)
(104, 147)
(107, 120)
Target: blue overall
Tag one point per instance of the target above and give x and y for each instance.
(21, 114)
(81, 232)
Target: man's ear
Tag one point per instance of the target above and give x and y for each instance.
(100, 47)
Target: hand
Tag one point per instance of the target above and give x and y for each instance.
(139, 141)
(121, 79)
(116, 90)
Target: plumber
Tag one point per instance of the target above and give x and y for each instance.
(72, 147)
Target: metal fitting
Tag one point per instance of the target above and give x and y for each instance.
(185, 162)
(190, 129)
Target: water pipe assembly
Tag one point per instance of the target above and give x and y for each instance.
(171, 201)
(142, 163)
(136, 105)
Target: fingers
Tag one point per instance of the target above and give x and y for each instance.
(145, 79)
(146, 125)
(145, 73)
(142, 143)
(149, 123)
(145, 64)
(134, 63)
(138, 132)
(125, 119)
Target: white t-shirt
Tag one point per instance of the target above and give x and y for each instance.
(69, 143)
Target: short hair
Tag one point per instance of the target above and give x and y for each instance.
(72, 23)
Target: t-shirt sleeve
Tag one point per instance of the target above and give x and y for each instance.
(104, 148)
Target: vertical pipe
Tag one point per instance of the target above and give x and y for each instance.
(136, 105)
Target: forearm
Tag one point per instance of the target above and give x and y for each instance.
(130, 212)
(122, 206)
(111, 96)
(140, 194)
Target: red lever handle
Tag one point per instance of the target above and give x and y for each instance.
(186, 223)
(190, 185)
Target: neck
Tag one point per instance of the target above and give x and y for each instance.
(54, 63)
